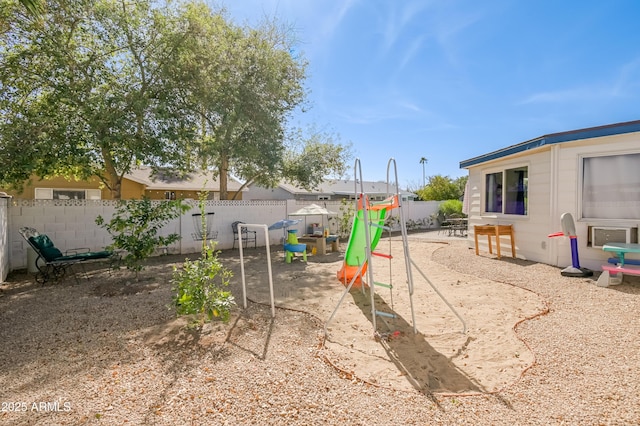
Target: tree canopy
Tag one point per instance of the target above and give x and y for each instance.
(82, 94)
(441, 188)
(96, 87)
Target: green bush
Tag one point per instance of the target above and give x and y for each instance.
(347, 212)
(135, 225)
(200, 287)
(450, 207)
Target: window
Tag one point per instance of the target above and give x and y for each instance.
(169, 195)
(94, 194)
(611, 187)
(67, 194)
(507, 191)
(324, 197)
(493, 193)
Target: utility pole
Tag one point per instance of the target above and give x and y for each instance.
(423, 161)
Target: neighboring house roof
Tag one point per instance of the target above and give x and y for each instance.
(555, 138)
(344, 187)
(167, 180)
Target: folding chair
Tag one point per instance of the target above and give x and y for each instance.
(50, 262)
(246, 235)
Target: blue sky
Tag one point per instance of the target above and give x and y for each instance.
(450, 80)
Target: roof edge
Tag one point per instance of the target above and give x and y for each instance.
(555, 138)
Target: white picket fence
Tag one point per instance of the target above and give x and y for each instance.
(71, 223)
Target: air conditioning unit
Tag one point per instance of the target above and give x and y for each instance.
(602, 235)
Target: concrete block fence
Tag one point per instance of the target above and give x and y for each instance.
(71, 223)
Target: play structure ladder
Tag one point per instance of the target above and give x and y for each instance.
(364, 209)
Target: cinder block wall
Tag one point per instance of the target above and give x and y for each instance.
(71, 223)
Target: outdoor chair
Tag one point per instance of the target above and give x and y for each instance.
(246, 235)
(51, 263)
(453, 224)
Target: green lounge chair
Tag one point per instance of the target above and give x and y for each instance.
(51, 263)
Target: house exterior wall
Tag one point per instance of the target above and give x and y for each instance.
(159, 194)
(28, 190)
(256, 192)
(554, 173)
(129, 190)
(317, 197)
(569, 193)
(530, 230)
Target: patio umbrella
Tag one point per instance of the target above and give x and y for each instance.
(284, 224)
(313, 210)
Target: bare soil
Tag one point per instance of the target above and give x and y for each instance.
(522, 345)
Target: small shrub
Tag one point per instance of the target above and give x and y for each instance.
(449, 207)
(135, 225)
(200, 287)
(347, 212)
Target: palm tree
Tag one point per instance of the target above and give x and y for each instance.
(423, 161)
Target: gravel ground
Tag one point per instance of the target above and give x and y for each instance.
(108, 353)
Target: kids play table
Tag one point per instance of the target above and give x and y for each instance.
(620, 250)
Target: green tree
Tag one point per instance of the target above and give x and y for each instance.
(97, 87)
(82, 95)
(241, 86)
(441, 188)
(310, 157)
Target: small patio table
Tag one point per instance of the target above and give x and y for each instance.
(458, 224)
(496, 231)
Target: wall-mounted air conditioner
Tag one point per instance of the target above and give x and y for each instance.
(601, 235)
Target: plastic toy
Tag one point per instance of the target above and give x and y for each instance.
(292, 246)
(569, 230)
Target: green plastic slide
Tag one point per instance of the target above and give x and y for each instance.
(355, 254)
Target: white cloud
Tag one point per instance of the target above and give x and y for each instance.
(627, 79)
(399, 109)
(396, 21)
(411, 51)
